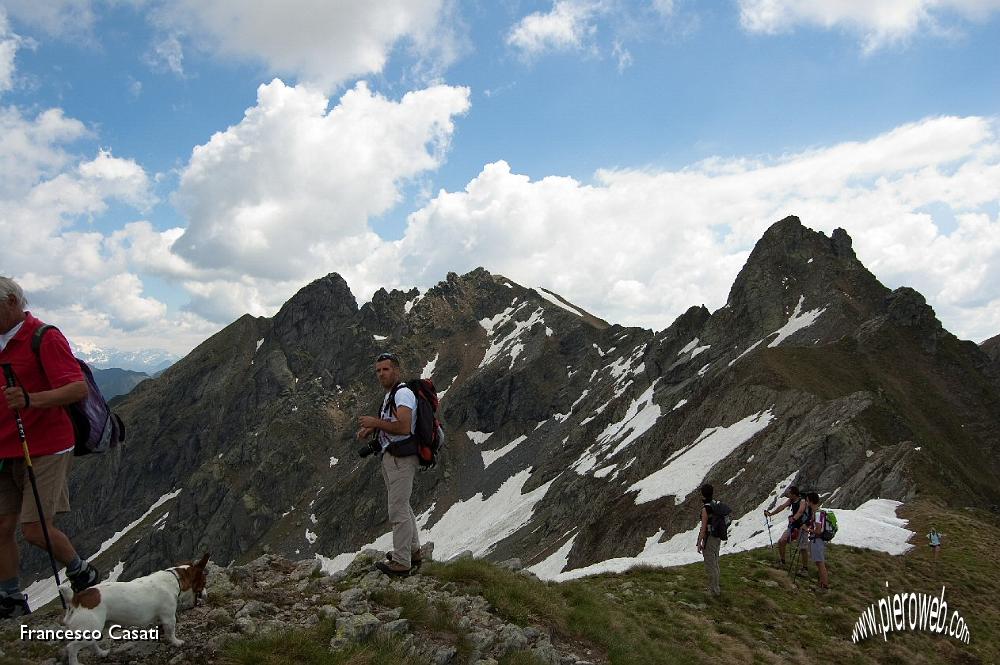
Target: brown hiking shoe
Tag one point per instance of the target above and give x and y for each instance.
(393, 569)
(415, 558)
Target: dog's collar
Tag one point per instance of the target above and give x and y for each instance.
(177, 576)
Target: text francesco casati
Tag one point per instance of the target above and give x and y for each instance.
(113, 632)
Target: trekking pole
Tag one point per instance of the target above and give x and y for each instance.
(8, 373)
(769, 539)
(793, 570)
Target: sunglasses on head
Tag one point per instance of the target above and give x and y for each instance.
(387, 356)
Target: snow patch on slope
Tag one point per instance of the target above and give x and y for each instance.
(873, 525)
(409, 305)
(490, 456)
(429, 368)
(685, 470)
(510, 342)
(551, 297)
(477, 524)
(551, 566)
(796, 322)
(641, 415)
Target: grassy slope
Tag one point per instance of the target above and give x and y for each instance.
(663, 616)
(659, 616)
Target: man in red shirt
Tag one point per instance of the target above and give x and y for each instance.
(46, 382)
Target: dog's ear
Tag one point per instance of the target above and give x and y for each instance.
(204, 561)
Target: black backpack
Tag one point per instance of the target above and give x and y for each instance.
(719, 519)
(428, 435)
(96, 427)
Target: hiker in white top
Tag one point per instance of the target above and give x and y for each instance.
(395, 424)
(935, 541)
(817, 545)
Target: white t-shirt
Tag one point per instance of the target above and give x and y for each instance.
(404, 397)
(9, 335)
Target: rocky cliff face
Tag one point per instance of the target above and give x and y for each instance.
(570, 440)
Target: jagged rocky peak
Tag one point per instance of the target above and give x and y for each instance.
(992, 348)
(793, 269)
(385, 313)
(319, 302)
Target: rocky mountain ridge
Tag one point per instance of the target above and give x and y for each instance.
(813, 372)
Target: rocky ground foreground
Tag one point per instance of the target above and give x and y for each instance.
(272, 599)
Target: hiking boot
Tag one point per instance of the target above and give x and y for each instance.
(393, 569)
(415, 558)
(11, 607)
(86, 578)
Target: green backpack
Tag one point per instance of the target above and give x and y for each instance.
(830, 525)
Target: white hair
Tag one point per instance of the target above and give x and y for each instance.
(8, 288)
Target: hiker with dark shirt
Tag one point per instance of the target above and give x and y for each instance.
(395, 425)
(46, 382)
(817, 546)
(708, 544)
(796, 519)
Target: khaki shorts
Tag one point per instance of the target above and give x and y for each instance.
(51, 472)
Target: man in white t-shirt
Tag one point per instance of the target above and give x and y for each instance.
(395, 425)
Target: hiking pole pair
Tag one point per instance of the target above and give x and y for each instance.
(8, 373)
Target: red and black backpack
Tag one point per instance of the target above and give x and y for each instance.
(428, 435)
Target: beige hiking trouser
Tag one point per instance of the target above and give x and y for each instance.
(398, 473)
(711, 554)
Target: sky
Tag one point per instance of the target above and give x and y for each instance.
(166, 167)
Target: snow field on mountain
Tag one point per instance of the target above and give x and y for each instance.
(558, 303)
(686, 469)
(428, 371)
(509, 343)
(490, 456)
(796, 322)
(872, 525)
(477, 523)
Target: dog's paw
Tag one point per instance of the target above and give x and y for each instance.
(176, 641)
(101, 651)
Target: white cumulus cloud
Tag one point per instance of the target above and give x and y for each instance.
(59, 18)
(568, 25)
(640, 246)
(287, 194)
(74, 275)
(878, 23)
(9, 43)
(321, 42)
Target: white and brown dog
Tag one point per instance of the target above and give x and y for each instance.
(145, 601)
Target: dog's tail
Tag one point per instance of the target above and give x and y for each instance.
(66, 591)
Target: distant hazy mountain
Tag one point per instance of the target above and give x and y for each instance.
(149, 361)
(115, 381)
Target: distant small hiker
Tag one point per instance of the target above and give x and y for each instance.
(46, 382)
(935, 541)
(715, 519)
(817, 545)
(395, 426)
(796, 519)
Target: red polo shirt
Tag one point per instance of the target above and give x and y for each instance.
(48, 430)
